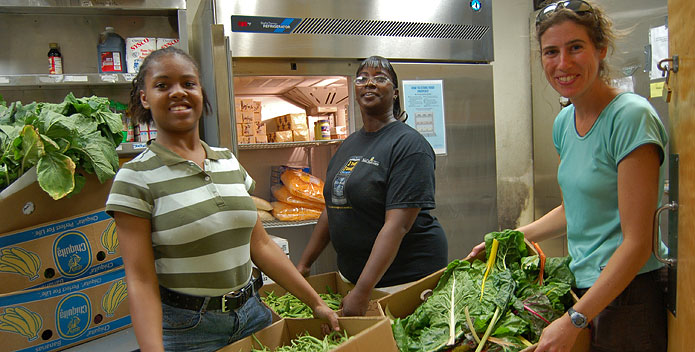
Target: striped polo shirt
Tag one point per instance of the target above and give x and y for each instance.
(201, 219)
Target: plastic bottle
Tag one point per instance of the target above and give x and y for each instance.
(111, 52)
(55, 60)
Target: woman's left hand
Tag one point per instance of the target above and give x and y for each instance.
(559, 336)
(355, 304)
(326, 313)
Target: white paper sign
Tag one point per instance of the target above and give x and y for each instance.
(658, 39)
(424, 103)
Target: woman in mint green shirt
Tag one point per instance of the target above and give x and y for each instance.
(612, 149)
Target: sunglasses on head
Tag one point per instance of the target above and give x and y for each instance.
(577, 6)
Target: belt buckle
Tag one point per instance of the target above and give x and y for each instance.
(242, 292)
(224, 303)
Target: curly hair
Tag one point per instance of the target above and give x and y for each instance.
(138, 112)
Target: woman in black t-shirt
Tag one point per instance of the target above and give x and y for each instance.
(378, 191)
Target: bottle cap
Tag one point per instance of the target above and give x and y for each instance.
(53, 45)
(109, 29)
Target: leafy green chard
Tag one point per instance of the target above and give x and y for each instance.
(59, 140)
(511, 311)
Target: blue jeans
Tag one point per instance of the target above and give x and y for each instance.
(189, 330)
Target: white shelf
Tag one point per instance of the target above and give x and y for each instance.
(277, 223)
(73, 79)
(259, 146)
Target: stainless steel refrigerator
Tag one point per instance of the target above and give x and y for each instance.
(306, 52)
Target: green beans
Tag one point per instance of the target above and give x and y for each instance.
(289, 306)
(308, 343)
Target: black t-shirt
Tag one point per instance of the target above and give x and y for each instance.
(369, 174)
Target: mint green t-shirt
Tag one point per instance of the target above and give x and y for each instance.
(588, 177)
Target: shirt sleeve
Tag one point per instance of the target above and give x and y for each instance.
(130, 194)
(635, 126)
(411, 182)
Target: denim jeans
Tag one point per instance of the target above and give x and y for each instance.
(203, 330)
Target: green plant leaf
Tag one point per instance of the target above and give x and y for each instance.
(100, 154)
(55, 173)
(32, 147)
(81, 129)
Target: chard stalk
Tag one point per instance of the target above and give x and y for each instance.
(526, 342)
(488, 331)
(452, 318)
(470, 325)
(490, 263)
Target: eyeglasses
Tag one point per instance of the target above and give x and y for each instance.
(577, 6)
(364, 80)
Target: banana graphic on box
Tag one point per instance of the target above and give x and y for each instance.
(19, 260)
(116, 293)
(109, 239)
(21, 321)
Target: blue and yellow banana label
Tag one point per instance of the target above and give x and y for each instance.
(20, 320)
(72, 253)
(73, 315)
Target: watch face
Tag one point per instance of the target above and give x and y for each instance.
(578, 319)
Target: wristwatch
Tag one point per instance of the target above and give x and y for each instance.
(578, 319)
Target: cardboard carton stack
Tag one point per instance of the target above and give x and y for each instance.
(288, 128)
(61, 269)
(250, 128)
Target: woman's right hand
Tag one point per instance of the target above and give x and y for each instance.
(475, 251)
(303, 269)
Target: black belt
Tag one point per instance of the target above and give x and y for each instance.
(228, 301)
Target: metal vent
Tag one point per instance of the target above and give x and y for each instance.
(390, 28)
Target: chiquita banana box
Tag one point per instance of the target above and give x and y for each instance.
(57, 252)
(73, 312)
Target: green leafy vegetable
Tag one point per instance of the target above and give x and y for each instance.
(511, 310)
(59, 140)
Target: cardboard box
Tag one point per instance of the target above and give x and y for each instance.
(59, 251)
(247, 116)
(239, 131)
(257, 107)
(248, 128)
(259, 128)
(261, 138)
(283, 136)
(403, 303)
(367, 334)
(137, 49)
(167, 42)
(246, 104)
(65, 315)
(300, 135)
(288, 122)
(331, 280)
(24, 203)
(247, 139)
